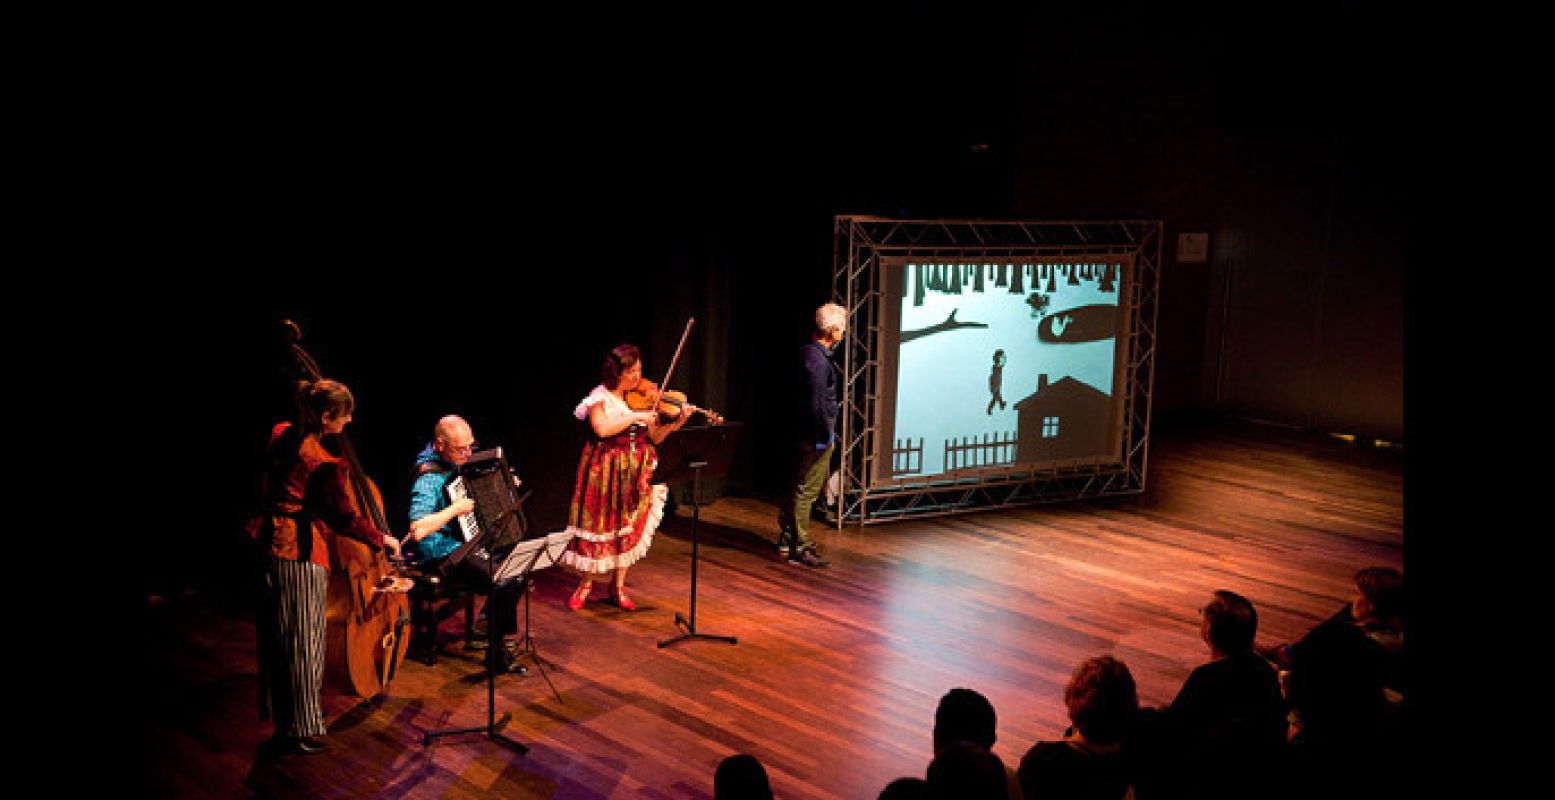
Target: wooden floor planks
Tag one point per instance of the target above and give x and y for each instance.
(837, 672)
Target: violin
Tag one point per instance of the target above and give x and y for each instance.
(646, 395)
(671, 403)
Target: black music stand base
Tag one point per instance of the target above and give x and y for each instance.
(493, 662)
(495, 736)
(717, 444)
(526, 649)
(691, 633)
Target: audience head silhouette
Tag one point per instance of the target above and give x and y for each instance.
(906, 789)
(964, 715)
(741, 777)
(1230, 623)
(1379, 595)
(963, 769)
(1101, 699)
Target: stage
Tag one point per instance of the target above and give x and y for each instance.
(837, 672)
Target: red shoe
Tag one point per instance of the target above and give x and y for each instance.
(575, 602)
(622, 601)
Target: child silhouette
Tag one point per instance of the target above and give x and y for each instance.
(996, 382)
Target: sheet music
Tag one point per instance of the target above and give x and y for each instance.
(534, 555)
(468, 525)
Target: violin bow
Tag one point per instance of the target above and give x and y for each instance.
(671, 371)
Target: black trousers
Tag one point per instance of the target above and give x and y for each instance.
(502, 599)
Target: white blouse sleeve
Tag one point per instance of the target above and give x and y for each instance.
(599, 395)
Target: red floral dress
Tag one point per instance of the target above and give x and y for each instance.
(614, 509)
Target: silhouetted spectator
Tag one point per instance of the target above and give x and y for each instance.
(1376, 607)
(1228, 720)
(1090, 762)
(966, 770)
(965, 715)
(1344, 729)
(741, 777)
(906, 789)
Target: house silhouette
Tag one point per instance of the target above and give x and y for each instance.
(1063, 420)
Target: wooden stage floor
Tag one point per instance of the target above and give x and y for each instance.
(837, 672)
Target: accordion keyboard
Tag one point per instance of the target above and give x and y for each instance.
(468, 525)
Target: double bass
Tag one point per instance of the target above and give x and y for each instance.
(367, 609)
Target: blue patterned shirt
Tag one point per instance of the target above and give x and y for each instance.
(428, 496)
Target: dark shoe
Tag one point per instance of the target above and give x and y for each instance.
(808, 558)
(511, 659)
(300, 746)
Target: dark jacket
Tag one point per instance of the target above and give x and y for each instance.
(818, 398)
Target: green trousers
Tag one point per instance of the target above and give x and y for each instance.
(810, 471)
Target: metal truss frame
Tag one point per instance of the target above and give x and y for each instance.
(859, 243)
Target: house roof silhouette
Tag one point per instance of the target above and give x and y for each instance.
(1064, 389)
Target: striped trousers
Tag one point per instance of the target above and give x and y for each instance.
(291, 645)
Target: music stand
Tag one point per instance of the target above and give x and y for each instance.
(522, 565)
(496, 528)
(688, 453)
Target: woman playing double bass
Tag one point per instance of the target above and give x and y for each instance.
(615, 510)
(307, 496)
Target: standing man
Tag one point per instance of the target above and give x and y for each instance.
(817, 408)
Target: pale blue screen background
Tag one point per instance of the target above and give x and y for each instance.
(943, 378)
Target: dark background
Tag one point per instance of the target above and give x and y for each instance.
(464, 215)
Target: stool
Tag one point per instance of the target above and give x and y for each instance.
(431, 601)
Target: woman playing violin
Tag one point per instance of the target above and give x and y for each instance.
(615, 510)
(307, 498)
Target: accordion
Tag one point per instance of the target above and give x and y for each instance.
(496, 524)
